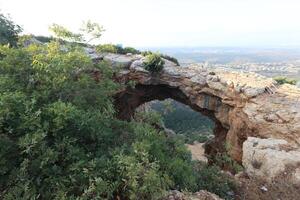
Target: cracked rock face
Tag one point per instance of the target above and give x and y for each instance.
(269, 158)
(245, 104)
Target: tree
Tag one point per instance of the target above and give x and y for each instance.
(60, 138)
(87, 33)
(8, 31)
(64, 34)
(92, 31)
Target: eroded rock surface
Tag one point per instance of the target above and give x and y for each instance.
(247, 104)
(270, 158)
(244, 104)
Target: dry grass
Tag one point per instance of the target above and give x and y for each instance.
(281, 188)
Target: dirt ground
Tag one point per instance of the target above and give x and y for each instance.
(197, 151)
(256, 189)
(249, 188)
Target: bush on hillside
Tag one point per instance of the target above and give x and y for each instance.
(130, 50)
(61, 139)
(146, 53)
(111, 48)
(170, 58)
(43, 39)
(154, 63)
(8, 31)
(212, 179)
(167, 57)
(284, 80)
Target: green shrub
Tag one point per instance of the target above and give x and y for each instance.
(146, 53)
(183, 120)
(8, 31)
(226, 162)
(167, 57)
(153, 63)
(130, 50)
(111, 48)
(107, 48)
(212, 179)
(60, 138)
(284, 80)
(170, 58)
(43, 39)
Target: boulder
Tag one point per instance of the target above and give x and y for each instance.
(270, 158)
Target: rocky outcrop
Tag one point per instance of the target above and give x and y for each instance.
(270, 158)
(243, 105)
(246, 104)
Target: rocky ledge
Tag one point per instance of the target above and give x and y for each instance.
(248, 107)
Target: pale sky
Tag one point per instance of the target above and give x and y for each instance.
(167, 23)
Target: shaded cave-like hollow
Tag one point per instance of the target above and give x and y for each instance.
(128, 100)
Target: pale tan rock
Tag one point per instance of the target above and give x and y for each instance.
(198, 151)
(247, 104)
(268, 158)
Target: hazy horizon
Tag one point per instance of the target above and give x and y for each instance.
(169, 23)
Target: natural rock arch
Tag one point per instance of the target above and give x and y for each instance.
(131, 98)
(243, 103)
(246, 104)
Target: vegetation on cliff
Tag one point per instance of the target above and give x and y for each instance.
(189, 124)
(8, 31)
(154, 63)
(284, 80)
(60, 138)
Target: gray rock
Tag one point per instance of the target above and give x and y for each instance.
(268, 158)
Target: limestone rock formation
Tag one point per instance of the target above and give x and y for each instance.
(246, 103)
(269, 158)
(243, 105)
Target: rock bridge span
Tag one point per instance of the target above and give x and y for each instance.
(248, 109)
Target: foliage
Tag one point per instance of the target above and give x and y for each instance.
(107, 48)
(183, 120)
(65, 34)
(43, 39)
(167, 57)
(88, 32)
(92, 30)
(170, 58)
(154, 63)
(131, 84)
(146, 53)
(111, 48)
(212, 179)
(130, 50)
(60, 138)
(8, 31)
(285, 80)
(223, 160)
(226, 162)
(151, 117)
